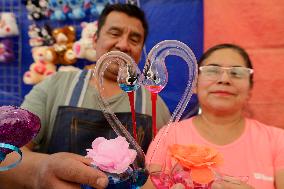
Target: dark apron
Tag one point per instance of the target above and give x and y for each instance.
(75, 128)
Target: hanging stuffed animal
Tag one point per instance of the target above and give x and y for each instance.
(40, 36)
(37, 9)
(64, 39)
(6, 51)
(43, 4)
(34, 35)
(95, 7)
(8, 25)
(42, 67)
(84, 48)
(58, 9)
(77, 12)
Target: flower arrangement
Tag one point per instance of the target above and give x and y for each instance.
(191, 165)
(198, 159)
(112, 156)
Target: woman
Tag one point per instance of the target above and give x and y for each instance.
(249, 148)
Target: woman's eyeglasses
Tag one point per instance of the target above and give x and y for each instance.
(214, 72)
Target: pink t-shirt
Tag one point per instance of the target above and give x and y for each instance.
(257, 153)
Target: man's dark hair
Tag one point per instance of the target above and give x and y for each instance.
(130, 10)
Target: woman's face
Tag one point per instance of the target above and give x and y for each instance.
(224, 93)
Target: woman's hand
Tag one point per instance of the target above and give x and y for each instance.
(231, 185)
(178, 186)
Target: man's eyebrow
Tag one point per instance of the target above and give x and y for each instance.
(114, 28)
(136, 34)
(132, 33)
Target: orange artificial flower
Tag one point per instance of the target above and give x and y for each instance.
(199, 159)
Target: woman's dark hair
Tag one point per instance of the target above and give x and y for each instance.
(234, 47)
(130, 10)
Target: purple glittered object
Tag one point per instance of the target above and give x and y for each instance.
(6, 51)
(17, 126)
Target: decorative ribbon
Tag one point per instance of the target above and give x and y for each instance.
(3, 156)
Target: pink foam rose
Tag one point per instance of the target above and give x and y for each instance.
(113, 156)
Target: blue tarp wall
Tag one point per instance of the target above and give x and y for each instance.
(168, 20)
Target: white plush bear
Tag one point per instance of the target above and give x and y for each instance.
(84, 48)
(42, 67)
(8, 25)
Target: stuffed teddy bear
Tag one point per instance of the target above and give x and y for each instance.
(77, 12)
(38, 72)
(40, 36)
(37, 9)
(6, 51)
(42, 67)
(8, 24)
(84, 48)
(58, 9)
(64, 39)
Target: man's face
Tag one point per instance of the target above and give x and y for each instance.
(120, 33)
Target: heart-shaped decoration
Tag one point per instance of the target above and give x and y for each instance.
(154, 78)
(17, 127)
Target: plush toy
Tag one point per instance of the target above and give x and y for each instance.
(64, 39)
(58, 9)
(77, 11)
(42, 67)
(8, 25)
(43, 4)
(38, 72)
(37, 9)
(34, 35)
(40, 36)
(95, 7)
(100, 5)
(84, 48)
(6, 51)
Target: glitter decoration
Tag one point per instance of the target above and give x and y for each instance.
(17, 127)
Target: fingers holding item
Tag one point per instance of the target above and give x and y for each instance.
(230, 185)
(66, 155)
(75, 170)
(61, 184)
(111, 72)
(178, 186)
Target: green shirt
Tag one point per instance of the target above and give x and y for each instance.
(45, 98)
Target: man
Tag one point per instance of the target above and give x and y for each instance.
(68, 119)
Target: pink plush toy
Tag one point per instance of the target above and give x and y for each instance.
(6, 51)
(42, 67)
(84, 48)
(8, 25)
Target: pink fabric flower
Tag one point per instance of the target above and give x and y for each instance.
(113, 156)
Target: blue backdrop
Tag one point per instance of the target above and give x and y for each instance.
(168, 19)
(179, 20)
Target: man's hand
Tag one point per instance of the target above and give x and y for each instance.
(43, 171)
(67, 171)
(111, 72)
